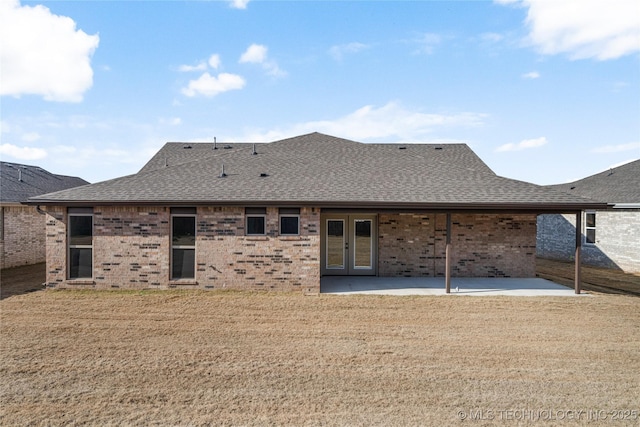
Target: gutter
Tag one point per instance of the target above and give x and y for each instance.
(351, 206)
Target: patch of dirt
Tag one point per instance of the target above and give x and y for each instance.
(20, 280)
(593, 278)
(231, 358)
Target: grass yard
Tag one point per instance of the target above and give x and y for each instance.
(199, 358)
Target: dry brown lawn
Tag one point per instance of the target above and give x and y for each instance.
(224, 358)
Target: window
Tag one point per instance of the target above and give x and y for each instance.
(289, 221)
(256, 221)
(183, 243)
(80, 243)
(590, 227)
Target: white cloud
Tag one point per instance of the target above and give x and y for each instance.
(523, 145)
(338, 51)
(255, 54)
(427, 43)
(238, 4)
(391, 122)
(172, 121)
(214, 61)
(258, 54)
(201, 66)
(209, 85)
(43, 54)
(618, 148)
(531, 75)
(22, 153)
(30, 136)
(584, 28)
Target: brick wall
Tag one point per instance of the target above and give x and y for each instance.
(23, 231)
(131, 250)
(617, 244)
(483, 245)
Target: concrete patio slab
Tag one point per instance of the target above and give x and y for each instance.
(367, 285)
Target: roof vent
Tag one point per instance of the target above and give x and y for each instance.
(610, 172)
(438, 148)
(402, 148)
(573, 188)
(254, 152)
(222, 174)
(166, 162)
(186, 147)
(215, 147)
(20, 175)
(227, 147)
(264, 175)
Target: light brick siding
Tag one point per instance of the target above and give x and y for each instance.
(483, 245)
(617, 239)
(23, 241)
(131, 250)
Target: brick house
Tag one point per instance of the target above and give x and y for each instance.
(283, 214)
(611, 238)
(22, 228)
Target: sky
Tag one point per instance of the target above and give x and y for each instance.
(543, 91)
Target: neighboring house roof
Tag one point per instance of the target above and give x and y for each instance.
(320, 170)
(19, 182)
(620, 185)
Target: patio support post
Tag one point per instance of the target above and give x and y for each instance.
(447, 254)
(577, 275)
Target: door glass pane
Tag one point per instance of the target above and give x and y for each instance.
(335, 243)
(362, 244)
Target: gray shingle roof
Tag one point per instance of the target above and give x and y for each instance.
(319, 170)
(19, 182)
(617, 185)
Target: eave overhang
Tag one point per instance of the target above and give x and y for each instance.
(539, 208)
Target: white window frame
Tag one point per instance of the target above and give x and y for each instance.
(587, 228)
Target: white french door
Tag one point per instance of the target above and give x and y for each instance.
(349, 244)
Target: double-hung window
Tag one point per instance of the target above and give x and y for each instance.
(289, 221)
(80, 253)
(590, 228)
(256, 221)
(183, 243)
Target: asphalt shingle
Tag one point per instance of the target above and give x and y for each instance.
(19, 182)
(319, 170)
(617, 185)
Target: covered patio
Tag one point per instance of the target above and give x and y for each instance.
(461, 286)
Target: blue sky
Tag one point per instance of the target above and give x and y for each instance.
(545, 92)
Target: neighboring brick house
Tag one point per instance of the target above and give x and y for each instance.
(22, 228)
(611, 238)
(283, 214)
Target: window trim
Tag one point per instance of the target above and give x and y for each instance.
(587, 228)
(183, 214)
(255, 213)
(78, 212)
(289, 213)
